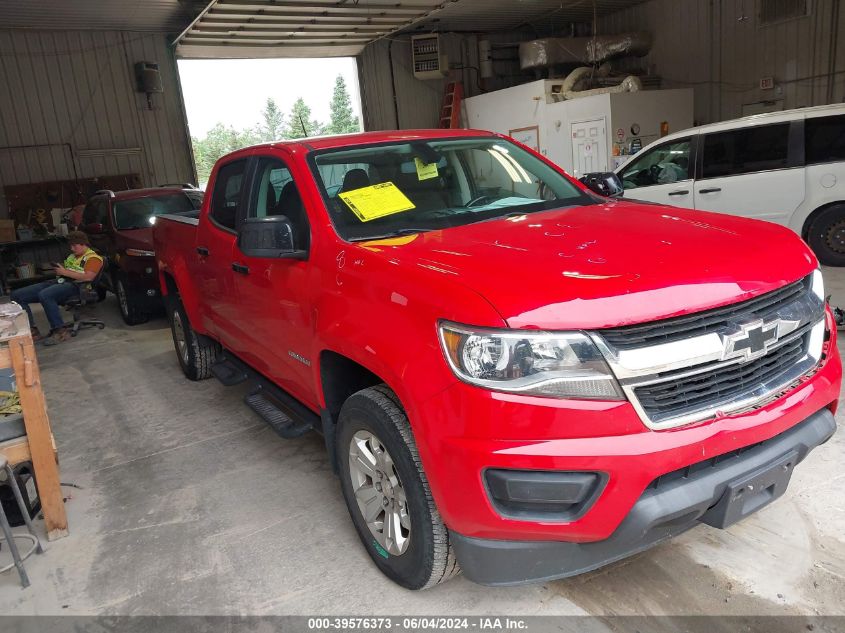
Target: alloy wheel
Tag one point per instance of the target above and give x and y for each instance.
(379, 492)
(179, 337)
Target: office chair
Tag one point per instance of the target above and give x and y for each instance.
(87, 295)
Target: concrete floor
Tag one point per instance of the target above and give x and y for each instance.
(189, 504)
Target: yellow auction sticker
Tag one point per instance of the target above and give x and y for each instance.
(376, 201)
(425, 171)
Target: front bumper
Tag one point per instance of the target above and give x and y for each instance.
(718, 494)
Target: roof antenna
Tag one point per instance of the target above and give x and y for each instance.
(302, 123)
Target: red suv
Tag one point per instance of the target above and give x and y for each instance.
(120, 226)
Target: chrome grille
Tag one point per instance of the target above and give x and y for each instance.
(679, 328)
(678, 371)
(682, 395)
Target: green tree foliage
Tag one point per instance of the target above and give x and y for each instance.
(219, 140)
(299, 123)
(343, 120)
(222, 139)
(272, 126)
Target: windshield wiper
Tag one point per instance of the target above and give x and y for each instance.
(384, 236)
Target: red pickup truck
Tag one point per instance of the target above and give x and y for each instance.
(513, 375)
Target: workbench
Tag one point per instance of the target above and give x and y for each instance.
(36, 445)
(40, 252)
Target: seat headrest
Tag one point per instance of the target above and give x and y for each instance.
(355, 179)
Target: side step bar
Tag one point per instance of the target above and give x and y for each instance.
(278, 420)
(286, 415)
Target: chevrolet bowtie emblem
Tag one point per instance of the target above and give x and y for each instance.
(755, 338)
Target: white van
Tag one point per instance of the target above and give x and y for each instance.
(784, 167)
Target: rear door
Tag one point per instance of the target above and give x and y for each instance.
(95, 220)
(755, 171)
(274, 295)
(662, 173)
(216, 235)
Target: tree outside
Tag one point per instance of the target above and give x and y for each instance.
(343, 119)
(272, 123)
(299, 123)
(273, 126)
(219, 141)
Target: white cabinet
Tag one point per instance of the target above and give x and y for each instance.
(580, 134)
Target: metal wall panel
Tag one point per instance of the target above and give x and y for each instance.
(78, 88)
(721, 50)
(417, 101)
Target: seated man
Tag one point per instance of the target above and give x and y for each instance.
(82, 264)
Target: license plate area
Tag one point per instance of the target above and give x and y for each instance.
(752, 492)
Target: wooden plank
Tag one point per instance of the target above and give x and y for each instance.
(16, 450)
(40, 438)
(5, 358)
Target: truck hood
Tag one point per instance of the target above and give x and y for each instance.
(609, 264)
(136, 238)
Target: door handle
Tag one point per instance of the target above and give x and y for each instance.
(240, 268)
(680, 192)
(202, 250)
(710, 190)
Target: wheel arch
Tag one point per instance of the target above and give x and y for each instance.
(805, 228)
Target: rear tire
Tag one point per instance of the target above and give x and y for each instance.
(373, 430)
(196, 353)
(130, 308)
(826, 236)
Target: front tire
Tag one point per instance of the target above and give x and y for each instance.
(387, 493)
(130, 309)
(196, 353)
(826, 236)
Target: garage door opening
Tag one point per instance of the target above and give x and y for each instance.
(234, 103)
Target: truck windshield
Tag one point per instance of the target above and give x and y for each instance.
(139, 213)
(400, 188)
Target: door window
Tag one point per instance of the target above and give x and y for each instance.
(96, 212)
(275, 193)
(227, 194)
(746, 150)
(824, 139)
(662, 165)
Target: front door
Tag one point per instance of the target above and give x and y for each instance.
(589, 147)
(274, 295)
(662, 174)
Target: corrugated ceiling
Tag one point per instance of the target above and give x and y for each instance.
(294, 28)
(168, 16)
(331, 28)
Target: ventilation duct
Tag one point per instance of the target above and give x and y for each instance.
(558, 51)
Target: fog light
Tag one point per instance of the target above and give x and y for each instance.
(151, 293)
(543, 495)
(148, 270)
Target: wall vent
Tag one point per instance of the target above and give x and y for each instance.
(426, 57)
(774, 11)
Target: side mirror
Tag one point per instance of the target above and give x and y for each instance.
(270, 237)
(95, 228)
(604, 183)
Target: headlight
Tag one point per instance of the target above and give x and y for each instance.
(559, 364)
(817, 285)
(137, 252)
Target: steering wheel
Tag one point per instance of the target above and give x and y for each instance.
(654, 173)
(478, 200)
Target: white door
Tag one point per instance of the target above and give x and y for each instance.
(589, 147)
(661, 174)
(747, 172)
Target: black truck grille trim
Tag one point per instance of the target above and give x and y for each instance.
(671, 398)
(700, 323)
